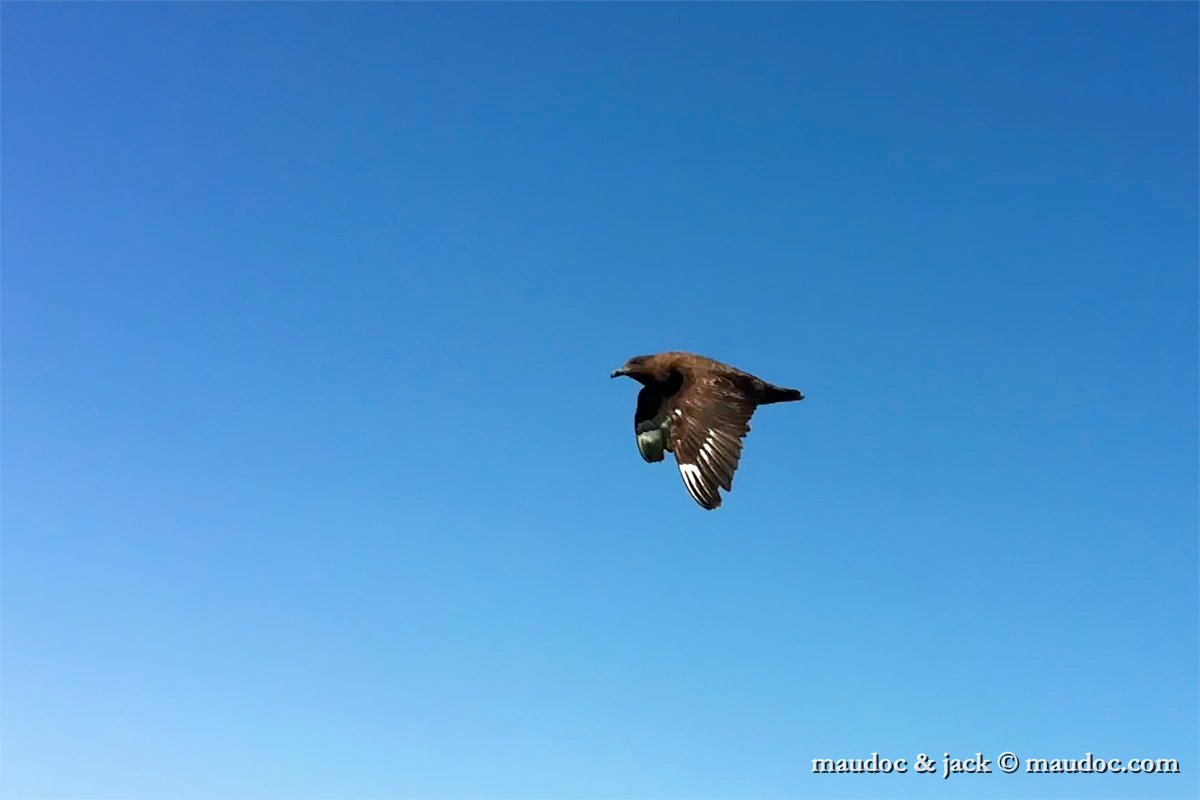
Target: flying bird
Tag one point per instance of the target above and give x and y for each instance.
(699, 409)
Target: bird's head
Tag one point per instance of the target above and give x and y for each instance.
(640, 368)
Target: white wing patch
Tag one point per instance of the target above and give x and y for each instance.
(693, 481)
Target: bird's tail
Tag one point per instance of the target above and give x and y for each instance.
(779, 394)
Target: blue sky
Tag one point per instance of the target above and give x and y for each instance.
(316, 486)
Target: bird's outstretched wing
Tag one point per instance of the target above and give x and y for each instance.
(708, 417)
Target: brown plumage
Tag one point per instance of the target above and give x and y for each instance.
(700, 410)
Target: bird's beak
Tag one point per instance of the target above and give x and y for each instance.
(618, 373)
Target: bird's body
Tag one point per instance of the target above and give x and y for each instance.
(699, 409)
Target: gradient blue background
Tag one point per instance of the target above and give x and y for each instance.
(316, 486)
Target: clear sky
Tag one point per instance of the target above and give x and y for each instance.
(316, 484)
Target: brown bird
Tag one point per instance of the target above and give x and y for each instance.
(700, 410)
